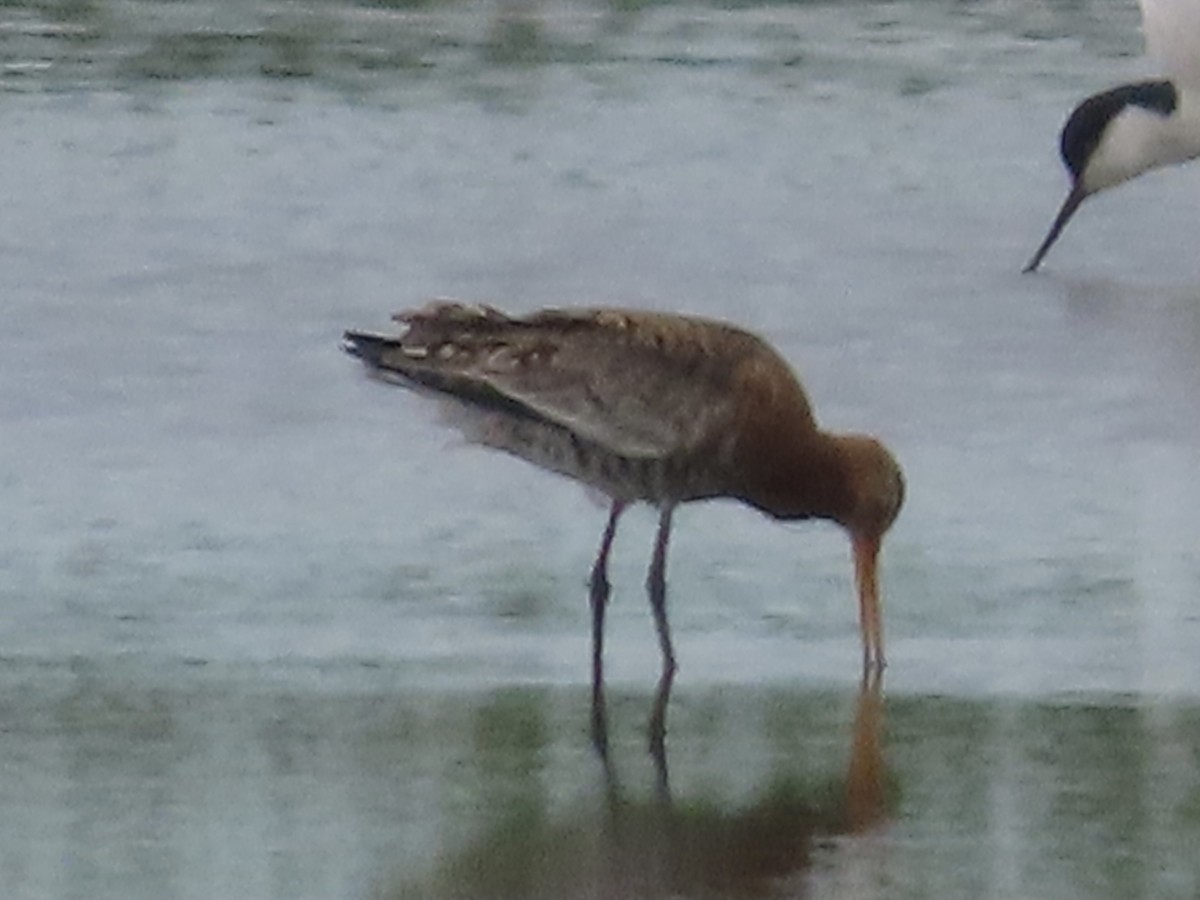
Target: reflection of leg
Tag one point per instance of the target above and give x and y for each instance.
(599, 602)
(658, 731)
(656, 585)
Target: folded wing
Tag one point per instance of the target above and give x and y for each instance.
(638, 384)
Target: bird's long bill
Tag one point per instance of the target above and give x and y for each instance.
(1074, 198)
(870, 617)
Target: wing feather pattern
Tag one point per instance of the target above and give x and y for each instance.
(640, 385)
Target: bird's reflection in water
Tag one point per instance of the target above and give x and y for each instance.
(656, 729)
(673, 845)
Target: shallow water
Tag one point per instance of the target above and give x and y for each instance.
(267, 631)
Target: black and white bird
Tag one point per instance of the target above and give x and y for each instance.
(1120, 133)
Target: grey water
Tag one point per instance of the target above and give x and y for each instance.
(267, 630)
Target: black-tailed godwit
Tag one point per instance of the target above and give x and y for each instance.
(648, 407)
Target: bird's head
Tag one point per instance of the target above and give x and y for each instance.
(875, 486)
(1109, 138)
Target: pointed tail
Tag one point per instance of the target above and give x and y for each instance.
(368, 346)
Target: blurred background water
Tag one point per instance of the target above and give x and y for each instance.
(266, 630)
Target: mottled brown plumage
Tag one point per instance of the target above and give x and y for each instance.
(652, 407)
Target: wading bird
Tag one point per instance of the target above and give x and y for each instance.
(1119, 134)
(647, 407)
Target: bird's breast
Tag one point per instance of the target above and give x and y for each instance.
(658, 479)
(1139, 139)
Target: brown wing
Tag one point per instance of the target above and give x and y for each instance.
(642, 385)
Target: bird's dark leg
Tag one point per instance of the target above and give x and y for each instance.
(656, 586)
(598, 597)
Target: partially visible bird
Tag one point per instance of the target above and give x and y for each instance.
(647, 407)
(1117, 135)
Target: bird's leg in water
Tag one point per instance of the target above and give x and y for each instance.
(658, 733)
(656, 586)
(599, 589)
